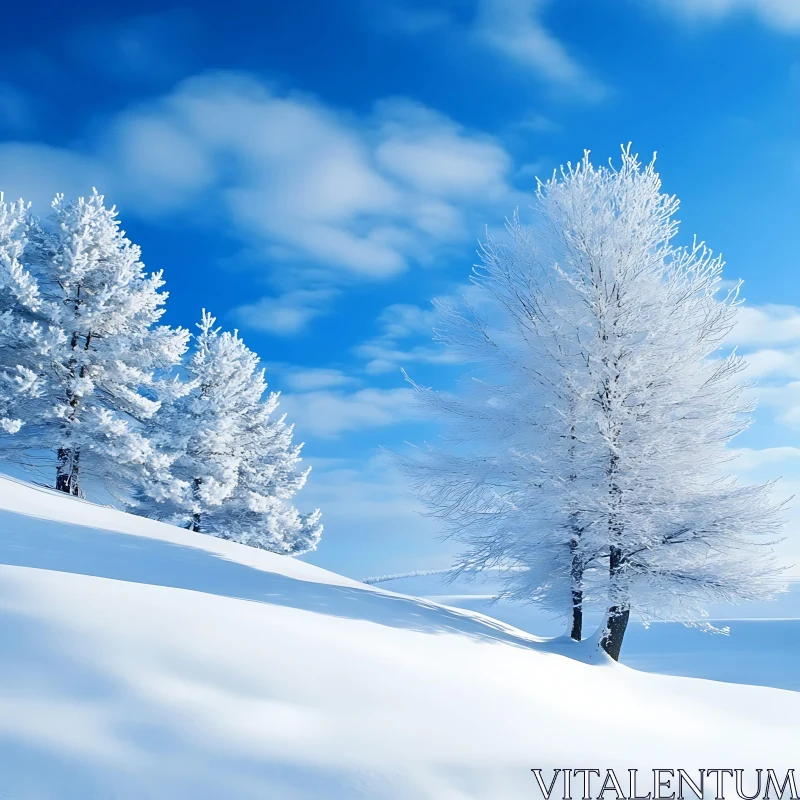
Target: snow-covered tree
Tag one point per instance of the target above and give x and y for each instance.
(586, 452)
(235, 459)
(84, 344)
(23, 339)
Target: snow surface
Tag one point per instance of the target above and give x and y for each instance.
(138, 660)
(762, 648)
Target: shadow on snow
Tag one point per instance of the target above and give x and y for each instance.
(47, 544)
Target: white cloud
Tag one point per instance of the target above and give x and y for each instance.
(783, 400)
(749, 460)
(37, 172)
(768, 337)
(288, 171)
(539, 124)
(402, 319)
(772, 363)
(512, 28)
(431, 153)
(159, 164)
(398, 323)
(328, 413)
(284, 169)
(382, 358)
(308, 380)
(287, 314)
(769, 324)
(780, 14)
(327, 194)
(515, 28)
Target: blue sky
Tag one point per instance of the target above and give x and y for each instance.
(315, 173)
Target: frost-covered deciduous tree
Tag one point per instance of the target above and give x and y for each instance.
(86, 347)
(586, 451)
(235, 459)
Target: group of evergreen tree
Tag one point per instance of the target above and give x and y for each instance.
(90, 386)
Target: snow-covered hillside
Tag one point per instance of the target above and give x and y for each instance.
(138, 660)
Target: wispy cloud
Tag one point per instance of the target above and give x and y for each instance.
(748, 459)
(538, 123)
(768, 337)
(769, 324)
(331, 413)
(515, 29)
(402, 319)
(784, 401)
(773, 363)
(36, 172)
(286, 314)
(512, 29)
(302, 379)
(431, 154)
(391, 350)
(406, 333)
(779, 14)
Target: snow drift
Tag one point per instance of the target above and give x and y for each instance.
(138, 660)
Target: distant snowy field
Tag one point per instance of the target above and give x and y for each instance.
(763, 647)
(142, 661)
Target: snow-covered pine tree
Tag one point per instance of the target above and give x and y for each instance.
(586, 453)
(235, 459)
(24, 341)
(100, 363)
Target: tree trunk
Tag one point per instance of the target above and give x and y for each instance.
(620, 612)
(576, 578)
(616, 624)
(576, 567)
(69, 457)
(67, 471)
(194, 525)
(62, 471)
(577, 615)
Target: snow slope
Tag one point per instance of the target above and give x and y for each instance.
(142, 661)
